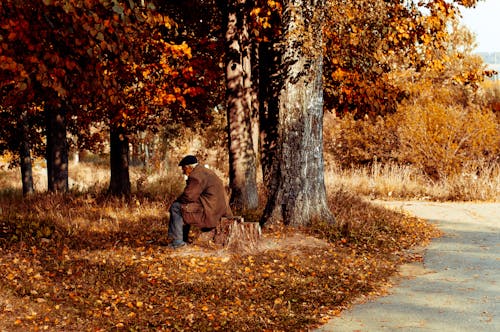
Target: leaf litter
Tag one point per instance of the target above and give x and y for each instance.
(107, 275)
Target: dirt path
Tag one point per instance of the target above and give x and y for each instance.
(456, 288)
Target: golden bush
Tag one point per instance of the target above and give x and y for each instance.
(440, 138)
(433, 134)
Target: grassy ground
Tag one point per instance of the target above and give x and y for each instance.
(82, 262)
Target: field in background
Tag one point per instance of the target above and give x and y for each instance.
(475, 183)
(392, 181)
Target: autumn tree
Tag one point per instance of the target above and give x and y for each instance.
(138, 73)
(428, 59)
(366, 41)
(35, 73)
(295, 186)
(112, 61)
(297, 190)
(17, 138)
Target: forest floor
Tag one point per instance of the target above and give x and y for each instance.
(83, 263)
(454, 288)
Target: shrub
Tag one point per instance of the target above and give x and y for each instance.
(354, 142)
(440, 138)
(433, 132)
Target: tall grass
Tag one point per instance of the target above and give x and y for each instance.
(477, 182)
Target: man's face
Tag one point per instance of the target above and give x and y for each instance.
(186, 170)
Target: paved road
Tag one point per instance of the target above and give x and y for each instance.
(456, 289)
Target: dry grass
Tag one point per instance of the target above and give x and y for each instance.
(477, 182)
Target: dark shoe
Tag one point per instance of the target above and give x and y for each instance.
(177, 244)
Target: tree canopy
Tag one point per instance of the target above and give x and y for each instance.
(131, 66)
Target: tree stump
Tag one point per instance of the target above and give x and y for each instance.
(234, 234)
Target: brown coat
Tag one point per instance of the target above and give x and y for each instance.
(204, 199)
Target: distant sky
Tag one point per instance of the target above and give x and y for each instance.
(484, 21)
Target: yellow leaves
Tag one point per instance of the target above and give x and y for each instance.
(169, 23)
(180, 50)
(272, 3)
(255, 11)
(353, 39)
(110, 285)
(278, 301)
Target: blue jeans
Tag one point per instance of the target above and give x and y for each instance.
(177, 230)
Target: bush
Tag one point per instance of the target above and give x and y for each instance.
(354, 142)
(432, 132)
(439, 139)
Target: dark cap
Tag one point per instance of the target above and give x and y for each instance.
(188, 160)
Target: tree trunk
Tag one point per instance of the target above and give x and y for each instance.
(25, 156)
(255, 108)
(297, 191)
(268, 110)
(242, 160)
(119, 184)
(57, 149)
(237, 235)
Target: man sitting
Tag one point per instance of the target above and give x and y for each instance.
(202, 203)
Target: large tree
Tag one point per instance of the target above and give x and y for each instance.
(297, 188)
(240, 88)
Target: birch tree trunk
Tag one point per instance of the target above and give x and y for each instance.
(297, 187)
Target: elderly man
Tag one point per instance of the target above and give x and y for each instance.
(202, 203)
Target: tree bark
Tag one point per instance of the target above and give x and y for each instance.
(234, 234)
(268, 110)
(25, 156)
(57, 149)
(254, 101)
(297, 189)
(119, 184)
(237, 235)
(242, 159)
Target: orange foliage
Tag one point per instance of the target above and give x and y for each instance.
(366, 40)
(77, 273)
(105, 59)
(432, 131)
